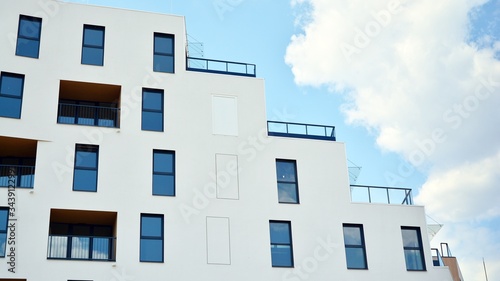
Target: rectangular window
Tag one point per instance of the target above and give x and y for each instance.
(163, 60)
(28, 36)
(412, 245)
(286, 173)
(86, 160)
(93, 45)
(281, 243)
(11, 94)
(4, 219)
(163, 172)
(152, 110)
(355, 250)
(151, 238)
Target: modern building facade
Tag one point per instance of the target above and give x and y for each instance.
(122, 158)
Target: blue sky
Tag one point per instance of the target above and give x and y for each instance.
(413, 88)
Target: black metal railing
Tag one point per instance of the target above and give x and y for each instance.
(379, 194)
(88, 115)
(221, 67)
(73, 247)
(299, 130)
(445, 249)
(437, 259)
(17, 176)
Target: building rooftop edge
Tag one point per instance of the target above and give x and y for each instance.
(120, 9)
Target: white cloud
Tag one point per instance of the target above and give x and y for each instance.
(409, 73)
(467, 192)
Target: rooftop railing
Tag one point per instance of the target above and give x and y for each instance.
(221, 67)
(379, 194)
(437, 259)
(17, 176)
(72, 247)
(299, 130)
(87, 115)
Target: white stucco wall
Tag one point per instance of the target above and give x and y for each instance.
(125, 165)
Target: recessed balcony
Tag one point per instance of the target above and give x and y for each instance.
(89, 104)
(82, 235)
(17, 162)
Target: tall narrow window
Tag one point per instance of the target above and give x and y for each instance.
(286, 172)
(152, 110)
(28, 36)
(11, 94)
(163, 58)
(163, 173)
(281, 244)
(151, 238)
(412, 245)
(4, 219)
(93, 45)
(355, 251)
(86, 160)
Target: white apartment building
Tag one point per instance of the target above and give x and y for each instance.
(122, 158)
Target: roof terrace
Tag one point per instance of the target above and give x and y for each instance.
(300, 130)
(221, 67)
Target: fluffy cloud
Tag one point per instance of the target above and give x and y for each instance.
(410, 73)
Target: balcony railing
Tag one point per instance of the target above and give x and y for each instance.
(379, 194)
(17, 176)
(437, 259)
(72, 247)
(221, 67)
(298, 130)
(88, 115)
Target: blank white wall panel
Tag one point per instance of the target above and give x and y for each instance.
(225, 115)
(227, 176)
(218, 243)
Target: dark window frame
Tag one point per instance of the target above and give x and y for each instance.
(38, 38)
(296, 182)
(163, 54)
(419, 248)
(86, 148)
(92, 235)
(356, 246)
(282, 244)
(8, 96)
(162, 110)
(91, 46)
(162, 237)
(169, 152)
(6, 231)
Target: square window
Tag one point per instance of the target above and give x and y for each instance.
(413, 250)
(152, 110)
(11, 94)
(85, 172)
(286, 174)
(151, 244)
(93, 45)
(163, 53)
(355, 250)
(281, 244)
(28, 36)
